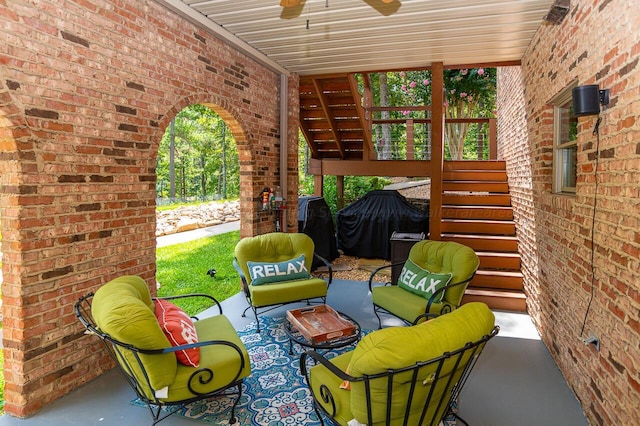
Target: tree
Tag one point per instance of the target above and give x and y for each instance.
(384, 140)
(206, 157)
(468, 93)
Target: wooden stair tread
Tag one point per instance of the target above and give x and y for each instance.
(513, 274)
(482, 221)
(481, 237)
(501, 281)
(496, 292)
(477, 213)
(504, 243)
(480, 228)
(505, 300)
(475, 176)
(468, 199)
(476, 186)
(451, 165)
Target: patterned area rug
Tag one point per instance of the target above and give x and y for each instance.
(275, 394)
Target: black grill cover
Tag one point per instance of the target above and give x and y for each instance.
(314, 219)
(365, 226)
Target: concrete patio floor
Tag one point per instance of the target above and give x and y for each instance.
(515, 383)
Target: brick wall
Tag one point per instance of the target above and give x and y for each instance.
(597, 43)
(86, 92)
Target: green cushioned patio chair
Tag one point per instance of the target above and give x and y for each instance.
(401, 375)
(122, 314)
(275, 270)
(432, 282)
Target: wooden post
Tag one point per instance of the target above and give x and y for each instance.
(318, 181)
(493, 139)
(410, 141)
(340, 191)
(437, 150)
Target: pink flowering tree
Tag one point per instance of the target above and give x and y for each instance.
(469, 93)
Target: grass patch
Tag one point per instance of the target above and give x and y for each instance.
(182, 269)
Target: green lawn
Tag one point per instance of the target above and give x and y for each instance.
(182, 269)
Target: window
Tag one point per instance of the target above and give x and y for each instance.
(565, 148)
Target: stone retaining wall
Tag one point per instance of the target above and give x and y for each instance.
(188, 218)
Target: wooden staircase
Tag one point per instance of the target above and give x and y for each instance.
(476, 211)
(332, 117)
(476, 205)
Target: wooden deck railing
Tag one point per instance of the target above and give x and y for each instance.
(420, 149)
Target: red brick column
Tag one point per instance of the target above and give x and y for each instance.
(86, 92)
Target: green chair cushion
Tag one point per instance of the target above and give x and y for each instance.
(419, 281)
(123, 309)
(279, 247)
(273, 247)
(398, 347)
(438, 257)
(287, 291)
(272, 272)
(402, 303)
(224, 361)
(443, 257)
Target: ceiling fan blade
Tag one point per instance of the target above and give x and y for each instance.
(290, 3)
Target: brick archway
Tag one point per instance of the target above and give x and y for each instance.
(246, 155)
(81, 117)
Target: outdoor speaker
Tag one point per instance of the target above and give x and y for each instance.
(586, 100)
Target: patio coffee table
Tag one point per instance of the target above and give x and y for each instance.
(320, 327)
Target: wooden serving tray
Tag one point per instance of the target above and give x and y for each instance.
(320, 323)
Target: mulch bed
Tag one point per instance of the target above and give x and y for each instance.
(354, 268)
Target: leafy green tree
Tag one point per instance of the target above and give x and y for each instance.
(206, 157)
(468, 93)
(355, 187)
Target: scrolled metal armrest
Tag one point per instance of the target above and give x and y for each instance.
(325, 393)
(193, 295)
(375, 272)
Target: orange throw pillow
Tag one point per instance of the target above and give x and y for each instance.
(179, 329)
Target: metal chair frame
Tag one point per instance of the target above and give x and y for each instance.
(471, 351)
(117, 349)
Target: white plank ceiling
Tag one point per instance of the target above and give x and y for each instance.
(369, 35)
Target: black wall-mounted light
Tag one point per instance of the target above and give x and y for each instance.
(587, 99)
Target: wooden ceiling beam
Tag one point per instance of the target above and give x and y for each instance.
(400, 168)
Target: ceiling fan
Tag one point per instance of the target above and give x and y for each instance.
(293, 8)
(294, 3)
